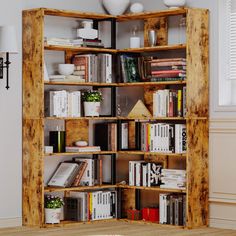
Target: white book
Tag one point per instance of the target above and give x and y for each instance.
(173, 172)
(131, 182)
(88, 176)
(152, 138)
(63, 175)
(124, 133)
(144, 167)
(161, 208)
(177, 146)
(155, 104)
(108, 68)
(149, 175)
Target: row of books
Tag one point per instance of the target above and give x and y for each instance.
(81, 171)
(143, 173)
(89, 206)
(171, 178)
(63, 103)
(94, 68)
(168, 69)
(172, 209)
(79, 42)
(169, 103)
(163, 137)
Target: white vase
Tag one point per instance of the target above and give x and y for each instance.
(52, 216)
(174, 3)
(116, 7)
(92, 108)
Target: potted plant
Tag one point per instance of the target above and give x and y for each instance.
(92, 102)
(53, 209)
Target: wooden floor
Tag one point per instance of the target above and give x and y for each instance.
(114, 228)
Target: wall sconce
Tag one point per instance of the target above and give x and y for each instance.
(8, 45)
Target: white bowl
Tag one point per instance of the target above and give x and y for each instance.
(66, 69)
(136, 7)
(116, 7)
(174, 3)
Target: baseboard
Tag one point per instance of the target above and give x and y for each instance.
(12, 222)
(223, 224)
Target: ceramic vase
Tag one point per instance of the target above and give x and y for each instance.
(52, 216)
(92, 108)
(116, 7)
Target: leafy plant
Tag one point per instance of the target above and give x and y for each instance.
(53, 202)
(91, 96)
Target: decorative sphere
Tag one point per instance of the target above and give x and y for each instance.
(136, 7)
(174, 3)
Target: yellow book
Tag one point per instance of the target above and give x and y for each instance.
(179, 106)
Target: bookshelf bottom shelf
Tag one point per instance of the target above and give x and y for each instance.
(64, 223)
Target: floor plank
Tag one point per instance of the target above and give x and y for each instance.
(114, 228)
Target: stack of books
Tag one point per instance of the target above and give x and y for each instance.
(172, 209)
(143, 173)
(94, 68)
(79, 42)
(83, 149)
(89, 206)
(171, 178)
(168, 69)
(63, 103)
(81, 171)
(169, 103)
(163, 137)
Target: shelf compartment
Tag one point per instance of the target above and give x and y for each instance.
(78, 153)
(79, 188)
(150, 223)
(164, 190)
(78, 49)
(146, 15)
(153, 49)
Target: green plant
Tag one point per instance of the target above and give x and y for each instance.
(91, 96)
(53, 202)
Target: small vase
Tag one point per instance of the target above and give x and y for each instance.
(116, 7)
(52, 216)
(92, 108)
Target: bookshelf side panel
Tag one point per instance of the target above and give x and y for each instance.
(33, 62)
(197, 173)
(197, 63)
(33, 196)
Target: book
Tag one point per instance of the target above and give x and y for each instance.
(80, 173)
(84, 149)
(64, 175)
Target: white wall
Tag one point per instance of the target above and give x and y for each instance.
(10, 107)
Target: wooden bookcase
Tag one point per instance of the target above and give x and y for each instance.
(196, 158)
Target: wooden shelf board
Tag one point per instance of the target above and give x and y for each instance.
(64, 223)
(80, 188)
(81, 118)
(152, 189)
(151, 83)
(78, 83)
(152, 118)
(78, 49)
(153, 49)
(77, 153)
(152, 153)
(150, 223)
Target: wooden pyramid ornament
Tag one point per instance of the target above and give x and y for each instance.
(139, 111)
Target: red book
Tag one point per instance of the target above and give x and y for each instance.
(159, 72)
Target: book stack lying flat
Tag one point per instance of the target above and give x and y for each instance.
(94, 68)
(67, 78)
(83, 149)
(172, 209)
(63, 103)
(169, 103)
(168, 69)
(171, 178)
(146, 174)
(163, 137)
(89, 206)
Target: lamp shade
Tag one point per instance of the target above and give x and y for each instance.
(8, 39)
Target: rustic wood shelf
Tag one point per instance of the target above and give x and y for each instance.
(78, 49)
(167, 190)
(80, 188)
(147, 15)
(152, 153)
(78, 153)
(78, 83)
(153, 49)
(81, 118)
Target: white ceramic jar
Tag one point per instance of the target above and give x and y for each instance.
(174, 3)
(116, 7)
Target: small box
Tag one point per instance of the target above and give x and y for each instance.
(48, 149)
(150, 214)
(134, 214)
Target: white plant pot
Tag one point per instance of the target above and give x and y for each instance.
(52, 216)
(116, 7)
(174, 3)
(92, 108)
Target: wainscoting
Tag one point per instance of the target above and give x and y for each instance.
(222, 171)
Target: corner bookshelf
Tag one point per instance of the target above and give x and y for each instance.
(196, 158)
